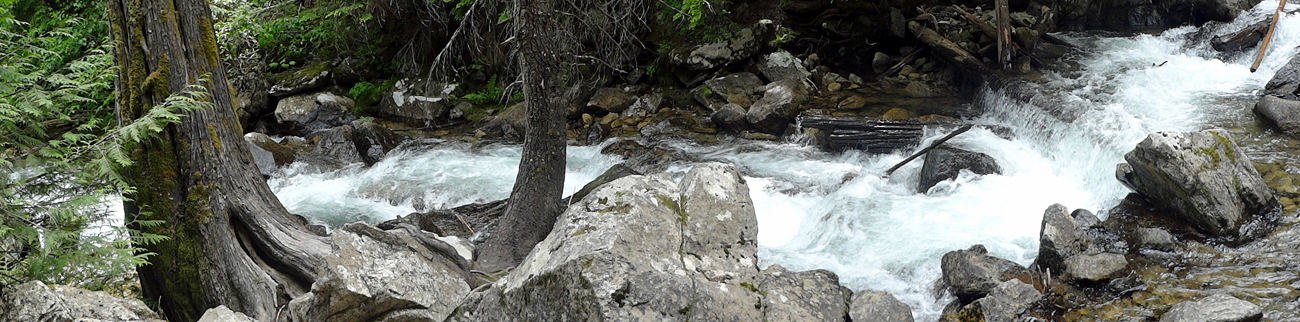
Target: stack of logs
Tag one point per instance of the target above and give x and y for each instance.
(983, 41)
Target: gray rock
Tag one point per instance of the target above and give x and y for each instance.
(781, 102)
(944, 163)
(736, 47)
(1284, 114)
(1095, 267)
(781, 65)
(878, 306)
(645, 105)
(1123, 15)
(35, 301)
(1203, 176)
(224, 314)
(1214, 308)
(307, 113)
(251, 99)
(1155, 238)
(373, 141)
(417, 102)
(1059, 238)
(611, 99)
(621, 253)
(730, 117)
(306, 79)
(1007, 301)
(970, 274)
(509, 124)
(814, 295)
(458, 112)
(333, 148)
(281, 154)
(262, 158)
(1084, 219)
(1287, 79)
(375, 275)
(738, 88)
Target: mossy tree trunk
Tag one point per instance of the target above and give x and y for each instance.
(232, 242)
(535, 199)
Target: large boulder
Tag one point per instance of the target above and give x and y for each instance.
(1094, 267)
(35, 301)
(1007, 301)
(333, 148)
(878, 306)
(1125, 15)
(311, 77)
(307, 113)
(781, 102)
(509, 124)
(373, 141)
(945, 163)
(1286, 82)
(971, 273)
(781, 65)
(730, 117)
(1059, 238)
(376, 275)
(1284, 114)
(1202, 176)
(611, 100)
(734, 47)
(738, 88)
(645, 248)
(1217, 308)
(417, 102)
(814, 295)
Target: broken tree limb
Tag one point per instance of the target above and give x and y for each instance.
(1004, 32)
(983, 25)
(874, 135)
(899, 66)
(1267, 36)
(947, 49)
(936, 143)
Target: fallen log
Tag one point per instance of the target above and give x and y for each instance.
(948, 49)
(1263, 47)
(874, 135)
(936, 143)
(1241, 39)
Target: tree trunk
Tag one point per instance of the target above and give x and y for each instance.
(535, 199)
(232, 242)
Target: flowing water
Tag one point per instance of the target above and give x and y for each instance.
(837, 211)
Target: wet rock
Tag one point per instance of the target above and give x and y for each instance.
(645, 105)
(618, 254)
(35, 301)
(224, 314)
(781, 102)
(1225, 185)
(262, 158)
(944, 163)
(1287, 79)
(736, 47)
(333, 148)
(1121, 15)
(417, 102)
(781, 65)
(970, 274)
(1284, 114)
(1059, 238)
(1084, 219)
(730, 117)
(375, 275)
(373, 141)
(611, 99)
(878, 306)
(1007, 301)
(304, 114)
(814, 295)
(312, 77)
(736, 88)
(1095, 267)
(1218, 307)
(280, 153)
(1155, 238)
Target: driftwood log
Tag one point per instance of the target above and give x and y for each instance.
(947, 49)
(875, 135)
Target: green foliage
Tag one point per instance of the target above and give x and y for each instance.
(59, 152)
(285, 32)
(490, 94)
(367, 96)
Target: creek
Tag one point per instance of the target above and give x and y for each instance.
(837, 211)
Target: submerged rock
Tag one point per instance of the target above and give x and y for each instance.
(375, 275)
(1202, 176)
(944, 163)
(1218, 307)
(878, 306)
(1284, 114)
(35, 301)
